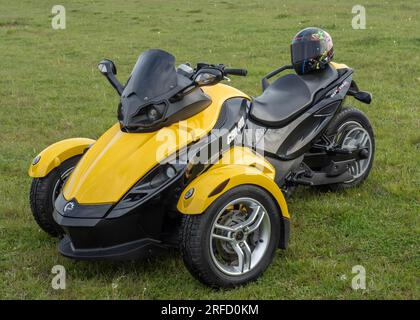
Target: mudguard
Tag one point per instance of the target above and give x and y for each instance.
(55, 154)
(238, 166)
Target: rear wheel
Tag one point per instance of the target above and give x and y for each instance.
(44, 191)
(234, 240)
(351, 129)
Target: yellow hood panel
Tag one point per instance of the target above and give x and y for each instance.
(117, 160)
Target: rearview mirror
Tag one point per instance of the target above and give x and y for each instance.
(106, 66)
(108, 69)
(363, 96)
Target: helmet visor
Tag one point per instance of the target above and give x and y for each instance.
(306, 50)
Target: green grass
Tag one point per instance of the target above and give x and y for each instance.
(50, 90)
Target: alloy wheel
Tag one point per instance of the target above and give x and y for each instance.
(240, 236)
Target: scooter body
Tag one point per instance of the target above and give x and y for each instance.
(183, 143)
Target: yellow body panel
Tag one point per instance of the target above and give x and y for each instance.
(118, 159)
(338, 65)
(241, 166)
(52, 156)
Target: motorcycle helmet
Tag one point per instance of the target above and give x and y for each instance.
(311, 50)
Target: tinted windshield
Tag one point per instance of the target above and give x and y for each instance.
(153, 75)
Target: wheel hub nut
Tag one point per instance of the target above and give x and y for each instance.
(239, 235)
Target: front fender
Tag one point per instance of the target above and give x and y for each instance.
(252, 169)
(55, 154)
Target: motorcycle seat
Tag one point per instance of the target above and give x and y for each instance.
(289, 96)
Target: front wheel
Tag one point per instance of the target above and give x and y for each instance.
(351, 129)
(234, 240)
(44, 191)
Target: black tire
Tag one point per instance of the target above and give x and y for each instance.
(195, 239)
(41, 197)
(346, 115)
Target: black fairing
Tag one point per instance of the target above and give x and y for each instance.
(153, 87)
(232, 111)
(310, 126)
(110, 232)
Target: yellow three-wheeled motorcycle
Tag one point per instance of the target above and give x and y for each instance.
(199, 165)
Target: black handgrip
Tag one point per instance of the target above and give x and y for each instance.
(236, 72)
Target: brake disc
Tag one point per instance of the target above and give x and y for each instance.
(224, 248)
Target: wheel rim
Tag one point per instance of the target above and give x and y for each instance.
(60, 183)
(354, 136)
(240, 236)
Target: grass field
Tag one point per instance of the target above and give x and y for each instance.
(50, 89)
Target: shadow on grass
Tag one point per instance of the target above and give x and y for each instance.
(165, 261)
(307, 193)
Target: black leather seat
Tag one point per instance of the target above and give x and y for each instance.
(289, 96)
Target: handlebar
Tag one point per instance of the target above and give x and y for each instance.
(210, 74)
(236, 72)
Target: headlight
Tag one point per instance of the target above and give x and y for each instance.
(145, 117)
(170, 171)
(158, 179)
(153, 114)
